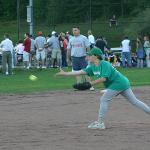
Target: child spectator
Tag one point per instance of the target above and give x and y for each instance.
(19, 51)
(112, 58)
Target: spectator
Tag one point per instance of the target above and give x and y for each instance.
(113, 21)
(126, 54)
(26, 52)
(91, 39)
(48, 51)
(78, 45)
(112, 58)
(7, 49)
(32, 51)
(63, 46)
(55, 46)
(19, 51)
(40, 43)
(68, 36)
(134, 60)
(118, 60)
(147, 50)
(101, 44)
(139, 53)
(69, 61)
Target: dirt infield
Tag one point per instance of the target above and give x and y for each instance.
(58, 120)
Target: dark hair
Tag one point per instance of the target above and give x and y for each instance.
(28, 34)
(48, 35)
(77, 27)
(99, 57)
(6, 35)
(99, 37)
(126, 37)
(20, 41)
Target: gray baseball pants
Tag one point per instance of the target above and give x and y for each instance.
(128, 94)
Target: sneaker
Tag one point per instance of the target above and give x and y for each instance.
(92, 88)
(97, 125)
(28, 67)
(38, 67)
(43, 67)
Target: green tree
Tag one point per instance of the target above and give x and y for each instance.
(140, 24)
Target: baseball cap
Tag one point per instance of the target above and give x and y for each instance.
(67, 32)
(95, 51)
(53, 32)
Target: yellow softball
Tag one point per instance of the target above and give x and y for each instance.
(33, 78)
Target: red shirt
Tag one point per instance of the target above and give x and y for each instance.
(27, 44)
(65, 44)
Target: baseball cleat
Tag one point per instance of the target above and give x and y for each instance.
(97, 125)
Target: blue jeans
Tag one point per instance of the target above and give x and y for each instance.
(64, 59)
(126, 56)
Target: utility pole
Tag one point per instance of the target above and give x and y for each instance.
(18, 19)
(122, 8)
(30, 16)
(90, 14)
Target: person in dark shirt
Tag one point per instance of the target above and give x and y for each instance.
(113, 21)
(101, 44)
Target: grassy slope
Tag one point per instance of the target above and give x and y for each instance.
(20, 82)
(113, 35)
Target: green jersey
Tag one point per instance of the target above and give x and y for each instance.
(114, 79)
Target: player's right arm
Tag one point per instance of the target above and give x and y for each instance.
(71, 73)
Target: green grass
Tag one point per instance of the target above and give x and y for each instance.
(137, 77)
(19, 82)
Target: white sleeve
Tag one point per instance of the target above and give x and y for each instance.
(87, 43)
(69, 45)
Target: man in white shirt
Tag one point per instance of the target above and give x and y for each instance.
(7, 48)
(91, 39)
(126, 52)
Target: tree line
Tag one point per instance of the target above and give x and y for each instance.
(57, 11)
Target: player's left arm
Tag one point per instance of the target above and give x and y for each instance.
(71, 73)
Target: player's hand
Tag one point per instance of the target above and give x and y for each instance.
(61, 73)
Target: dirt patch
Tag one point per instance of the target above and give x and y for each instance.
(58, 120)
